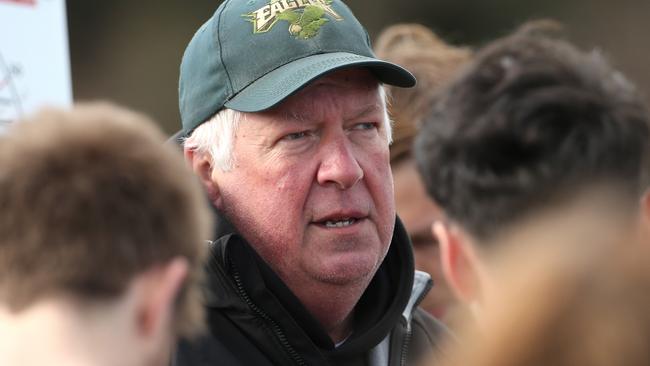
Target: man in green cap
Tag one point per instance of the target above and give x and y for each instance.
(284, 122)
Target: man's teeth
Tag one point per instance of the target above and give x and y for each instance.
(340, 223)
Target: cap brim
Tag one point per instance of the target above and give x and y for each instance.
(280, 83)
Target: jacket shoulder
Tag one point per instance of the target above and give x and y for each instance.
(225, 346)
(429, 335)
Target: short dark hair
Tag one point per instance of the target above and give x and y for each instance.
(531, 118)
(90, 198)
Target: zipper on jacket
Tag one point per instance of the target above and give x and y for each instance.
(409, 331)
(288, 348)
(405, 344)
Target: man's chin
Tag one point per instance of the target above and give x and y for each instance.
(345, 270)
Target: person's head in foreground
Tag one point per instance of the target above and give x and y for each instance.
(101, 239)
(565, 302)
(434, 63)
(284, 121)
(531, 126)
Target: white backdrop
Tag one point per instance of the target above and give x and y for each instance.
(34, 57)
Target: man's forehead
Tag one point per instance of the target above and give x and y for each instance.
(359, 81)
(315, 109)
(347, 95)
(358, 110)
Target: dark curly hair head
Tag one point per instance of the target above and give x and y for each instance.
(532, 119)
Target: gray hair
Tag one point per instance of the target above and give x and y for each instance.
(216, 136)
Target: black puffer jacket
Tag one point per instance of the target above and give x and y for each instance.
(254, 319)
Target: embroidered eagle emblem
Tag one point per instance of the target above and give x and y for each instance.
(305, 17)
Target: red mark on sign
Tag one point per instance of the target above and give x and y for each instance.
(25, 2)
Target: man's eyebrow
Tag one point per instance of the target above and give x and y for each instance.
(296, 116)
(291, 116)
(285, 117)
(371, 108)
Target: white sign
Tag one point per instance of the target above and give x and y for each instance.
(34, 58)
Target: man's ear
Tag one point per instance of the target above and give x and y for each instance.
(159, 289)
(459, 262)
(202, 165)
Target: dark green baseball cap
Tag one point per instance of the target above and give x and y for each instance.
(252, 54)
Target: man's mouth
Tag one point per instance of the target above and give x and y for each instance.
(344, 222)
(338, 220)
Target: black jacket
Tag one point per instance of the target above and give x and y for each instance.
(254, 319)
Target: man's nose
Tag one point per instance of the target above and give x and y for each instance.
(339, 166)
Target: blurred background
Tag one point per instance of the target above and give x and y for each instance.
(130, 51)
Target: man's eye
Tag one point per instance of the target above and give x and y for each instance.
(295, 135)
(365, 126)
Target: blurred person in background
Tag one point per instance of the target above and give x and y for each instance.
(562, 301)
(284, 121)
(532, 126)
(101, 241)
(433, 63)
